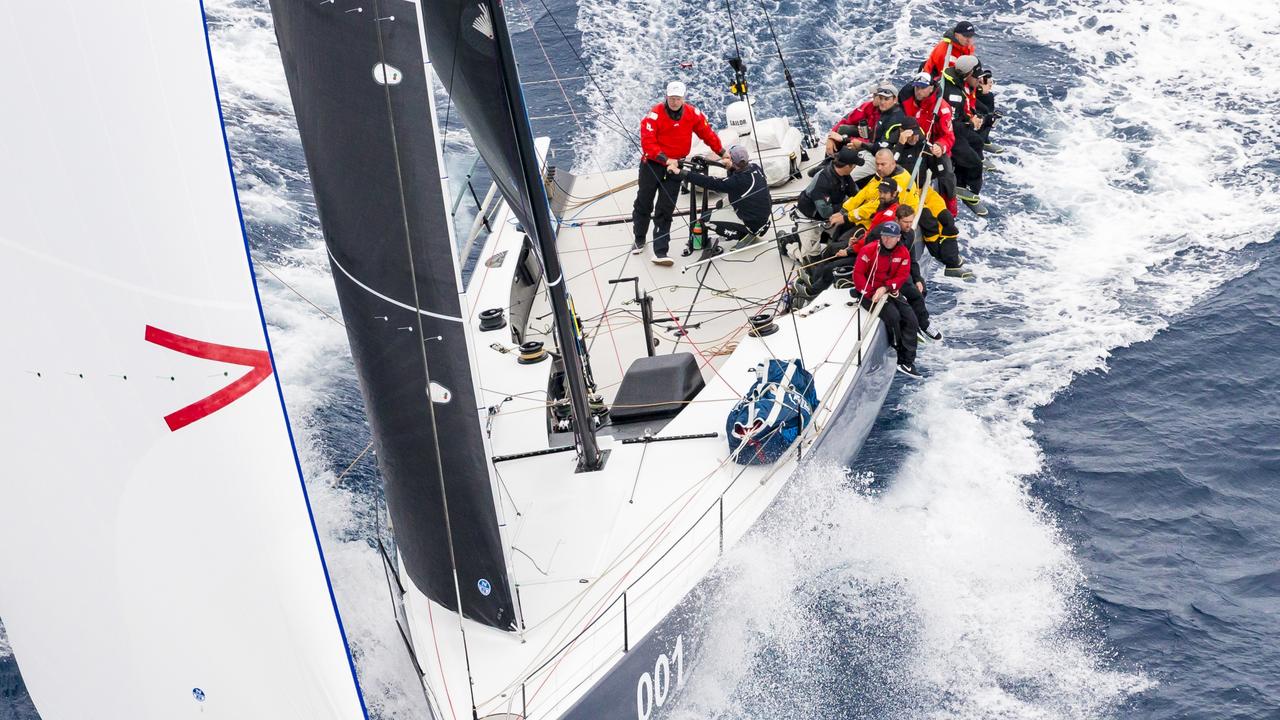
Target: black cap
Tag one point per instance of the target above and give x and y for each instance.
(888, 185)
(964, 27)
(846, 157)
(911, 123)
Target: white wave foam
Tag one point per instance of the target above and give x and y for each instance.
(311, 352)
(970, 595)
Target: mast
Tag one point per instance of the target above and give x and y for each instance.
(545, 234)
(469, 47)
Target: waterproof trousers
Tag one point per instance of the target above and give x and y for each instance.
(900, 320)
(655, 183)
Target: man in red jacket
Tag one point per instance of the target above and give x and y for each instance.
(666, 134)
(883, 268)
(862, 128)
(919, 98)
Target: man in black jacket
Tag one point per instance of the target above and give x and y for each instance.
(747, 188)
(828, 190)
(967, 153)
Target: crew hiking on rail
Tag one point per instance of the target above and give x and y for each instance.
(897, 168)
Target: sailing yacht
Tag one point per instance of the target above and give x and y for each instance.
(552, 434)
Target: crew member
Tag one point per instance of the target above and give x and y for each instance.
(961, 83)
(747, 188)
(880, 272)
(909, 147)
(915, 290)
(859, 129)
(844, 250)
(954, 45)
(920, 100)
(937, 224)
(827, 192)
(666, 134)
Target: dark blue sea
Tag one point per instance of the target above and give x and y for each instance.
(1073, 515)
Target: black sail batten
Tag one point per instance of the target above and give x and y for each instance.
(470, 48)
(362, 98)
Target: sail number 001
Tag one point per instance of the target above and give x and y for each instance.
(652, 691)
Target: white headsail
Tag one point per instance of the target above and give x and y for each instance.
(158, 555)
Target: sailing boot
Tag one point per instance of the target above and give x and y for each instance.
(992, 148)
(929, 333)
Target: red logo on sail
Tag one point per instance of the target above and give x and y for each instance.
(258, 362)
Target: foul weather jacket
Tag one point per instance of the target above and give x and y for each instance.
(867, 113)
(878, 266)
(748, 193)
(669, 135)
(933, 64)
(825, 194)
(964, 102)
(861, 208)
(939, 132)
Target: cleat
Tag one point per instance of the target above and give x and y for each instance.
(965, 194)
(909, 370)
(662, 260)
(993, 148)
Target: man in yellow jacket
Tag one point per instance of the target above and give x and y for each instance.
(936, 223)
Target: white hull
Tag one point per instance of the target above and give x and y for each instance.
(652, 523)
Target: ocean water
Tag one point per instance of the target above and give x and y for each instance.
(1069, 517)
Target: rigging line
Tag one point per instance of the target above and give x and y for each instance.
(595, 278)
(809, 138)
(585, 245)
(594, 622)
(747, 316)
(630, 137)
(628, 551)
(533, 26)
(294, 290)
(755, 138)
(702, 280)
(353, 463)
(422, 348)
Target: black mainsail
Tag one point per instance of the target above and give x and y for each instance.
(470, 47)
(362, 97)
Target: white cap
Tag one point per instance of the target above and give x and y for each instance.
(675, 88)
